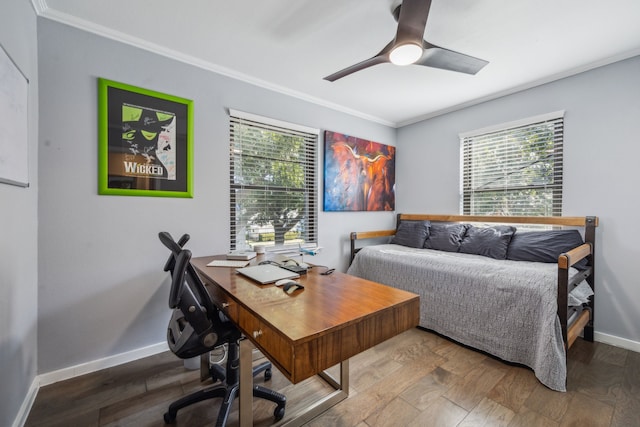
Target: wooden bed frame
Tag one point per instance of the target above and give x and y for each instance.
(584, 320)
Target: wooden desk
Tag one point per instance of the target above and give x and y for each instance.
(334, 318)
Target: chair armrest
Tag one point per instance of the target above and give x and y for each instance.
(571, 257)
(359, 235)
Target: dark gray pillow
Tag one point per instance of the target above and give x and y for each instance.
(544, 246)
(445, 237)
(491, 242)
(411, 233)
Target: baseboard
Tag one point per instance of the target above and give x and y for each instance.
(96, 365)
(617, 341)
(27, 403)
(84, 368)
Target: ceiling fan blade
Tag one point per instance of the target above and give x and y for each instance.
(412, 21)
(438, 57)
(380, 58)
(357, 67)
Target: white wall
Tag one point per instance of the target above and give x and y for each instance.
(102, 290)
(18, 231)
(601, 153)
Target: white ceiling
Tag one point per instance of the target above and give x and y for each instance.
(290, 45)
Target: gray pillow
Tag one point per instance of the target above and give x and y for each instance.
(491, 242)
(544, 246)
(411, 233)
(445, 237)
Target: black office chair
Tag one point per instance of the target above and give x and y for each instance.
(216, 371)
(196, 327)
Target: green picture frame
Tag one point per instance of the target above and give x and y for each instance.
(145, 142)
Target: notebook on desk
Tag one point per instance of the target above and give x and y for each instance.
(267, 273)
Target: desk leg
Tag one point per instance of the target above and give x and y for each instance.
(246, 383)
(341, 392)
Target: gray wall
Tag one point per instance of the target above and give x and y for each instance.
(18, 235)
(102, 290)
(601, 154)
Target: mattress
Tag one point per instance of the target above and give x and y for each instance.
(505, 308)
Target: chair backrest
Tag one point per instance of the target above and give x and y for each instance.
(196, 325)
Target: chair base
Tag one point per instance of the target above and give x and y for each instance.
(228, 392)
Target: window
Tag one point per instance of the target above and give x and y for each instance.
(273, 182)
(514, 169)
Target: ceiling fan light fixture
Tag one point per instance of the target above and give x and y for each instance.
(405, 54)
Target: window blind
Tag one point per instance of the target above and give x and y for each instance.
(514, 170)
(273, 181)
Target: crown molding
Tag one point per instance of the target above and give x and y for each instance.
(45, 12)
(39, 6)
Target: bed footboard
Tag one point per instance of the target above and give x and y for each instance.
(581, 319)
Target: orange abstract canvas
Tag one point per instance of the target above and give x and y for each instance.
(359, 175)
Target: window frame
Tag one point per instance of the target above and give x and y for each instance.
(308, 160)
(467, 190)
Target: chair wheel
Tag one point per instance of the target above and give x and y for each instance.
(169, 419)
(267, 374)
(278, 413)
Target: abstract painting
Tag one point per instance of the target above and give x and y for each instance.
(359, 175)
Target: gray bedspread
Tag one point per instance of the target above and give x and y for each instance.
(506, 308)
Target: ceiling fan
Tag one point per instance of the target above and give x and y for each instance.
(409, 46)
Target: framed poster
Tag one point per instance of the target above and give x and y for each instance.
(145, 142)
(359, 175)
(14, 124)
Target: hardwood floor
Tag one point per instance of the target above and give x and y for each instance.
(415, 379)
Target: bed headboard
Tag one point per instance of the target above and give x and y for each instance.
(588, 223)
(577, 221)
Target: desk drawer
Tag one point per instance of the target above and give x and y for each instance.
(271, 342)
(223, 301)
